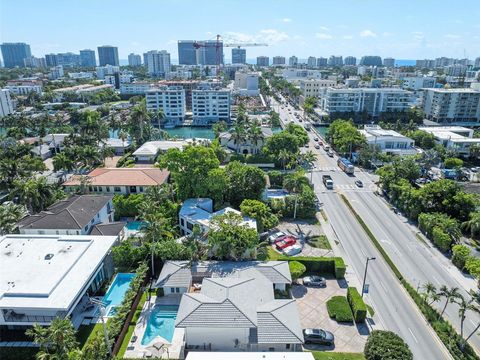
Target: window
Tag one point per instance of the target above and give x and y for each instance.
(287, 346)
(172, 290)
(95, 189)
(116, 189)
(182, 222)
(141, 188)
(41, 232)
(177, 290)
(107, 188)
(189, 225)
(86, 228)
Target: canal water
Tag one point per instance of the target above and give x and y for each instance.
(322, 129)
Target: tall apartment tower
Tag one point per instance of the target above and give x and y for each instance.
(312, 62)
(108, 55)
(350, 60)
(278, 60)
(389, 62)
(134, 60)
(158, 62)
(14, 53)
(87, 58)
(263, 61)
(293, 61)
(239, 56)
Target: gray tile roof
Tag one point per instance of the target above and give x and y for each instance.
(73, 213)
(278, 322)
(108, 229)
(175, 274)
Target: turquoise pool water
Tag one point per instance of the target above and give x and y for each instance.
(161, 322)
(116, 292)
(134, 225)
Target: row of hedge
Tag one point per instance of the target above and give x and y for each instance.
(445, 331)
(359, 308)
(323, 265)
(339, 309)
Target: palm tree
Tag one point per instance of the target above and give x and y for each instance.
(463, 306)
(255, 134)
(473, 225)
(284, 156)
(106, 151)
(62, 161)
(476, 309)
(238, 135)
(35, 193)
(293, 183)
(160, 116)
(309, 158)
(10, 215)
(430, 293)
(139, 118)
(450, 296)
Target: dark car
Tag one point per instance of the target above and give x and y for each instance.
(314, 281)
(318, 336)
(359, 183)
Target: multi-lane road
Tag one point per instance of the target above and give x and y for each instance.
(416, 260)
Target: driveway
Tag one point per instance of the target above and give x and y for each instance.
(312, 308)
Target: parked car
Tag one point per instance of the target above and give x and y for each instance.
(275, 236)
(314, 280)
(307, 145)
(292, 250)
(359, 183)
(320, 142)
(330, 153)
(317, 146)
(318, 336)
(285, 242)
(315, 139)
(326, 147)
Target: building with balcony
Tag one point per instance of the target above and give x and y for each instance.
(388, 141)
(210, 105)
(169, 99)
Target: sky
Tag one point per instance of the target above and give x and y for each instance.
(407, 29)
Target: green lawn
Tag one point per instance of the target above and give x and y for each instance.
(323, 355)
(320, 241)
(131, 326)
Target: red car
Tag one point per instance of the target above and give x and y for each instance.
(285, 242)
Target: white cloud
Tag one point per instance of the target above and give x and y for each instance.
(232, 36)
(272, 36)
(324, 28)
(286, 20)
(347, 37)
(452, 36)
(323, 36)
(367, 33)
(418, 35)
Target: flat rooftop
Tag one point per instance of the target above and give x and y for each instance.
(48, 271)
(202, 355)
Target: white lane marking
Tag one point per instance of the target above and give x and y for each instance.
(474, 324)
(436, 280)
(363, 252)
(414, 338)
(383, 286)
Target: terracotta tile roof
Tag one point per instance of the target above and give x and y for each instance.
(123, 177)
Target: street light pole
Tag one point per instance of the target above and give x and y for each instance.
(365, 274)
(101, 306)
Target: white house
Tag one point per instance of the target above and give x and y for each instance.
(49, 276)
(453, 137)
(233, 306)
(199, 212)
(247, 145)
(149, 151)
(389, 141)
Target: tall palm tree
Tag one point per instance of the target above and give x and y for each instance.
(430, 293)
(450, 296)
(160, 116)
(105, 152)
(10, 215)
(473, 225)
(463, 307)
(35, 193)
(293, 183)
(284, 156)
(139, 118)
(475, 308)
(238, 134)
(309, 158)
(62, 161)
(255, 134)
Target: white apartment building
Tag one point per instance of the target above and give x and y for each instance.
(81, 75)
(314, 87)
(171, 99)
(278, 60)
(389, 141)
(122, 79)
(418, 82)
(210, 105)
(460, 106)
(106, 70)
(293, 61)
(453, 137)
(312, 62)
(24, 89)
(134, 59)
(246, 83)
(371, 100)
(292, 74)
(136, 88)
(158, 62)
(6, 105)
(56, 72)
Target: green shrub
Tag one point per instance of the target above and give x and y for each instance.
(121, 162)
(460, 255)
(338, 309)
(127, 205)
(321, 265)
(441, 239)
(339, 267)
(297, 269)
(276, 178)
(386, 345)
(359, 308)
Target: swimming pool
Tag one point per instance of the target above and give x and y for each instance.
(161, 322)
(116, 292)
(134, 225)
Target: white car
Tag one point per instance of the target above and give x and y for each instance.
(275, 236)
(292, 250)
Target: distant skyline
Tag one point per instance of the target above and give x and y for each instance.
(408, 29)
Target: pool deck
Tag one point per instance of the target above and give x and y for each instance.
(174, 350)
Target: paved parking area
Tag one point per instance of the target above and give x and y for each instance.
(303, 229)
(312, 308)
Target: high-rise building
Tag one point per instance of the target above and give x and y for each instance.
(278, 60)
(451, 105)
(263, 61)
(108, 55)
(102, 71)
(371, 60)
(312, 62)
(425, 64)
(335, 60)
(210, 105)
(6, 105)
(169, 99)
(51, 60)
(477, 63)
(68, 59)
(292, 61)
(350, 60)
(56, 72)
(239, 56)
(209, 52)
(322, 62)
(134, 60)
(389, 62)
(187, 54)
(35, 62)
(158, 62)
(443, 61)
(14, 53)
(456, 70)
(87, 58)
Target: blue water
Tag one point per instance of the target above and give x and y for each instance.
(116, 291)
(322, 129)
(161, 322)
(134, 225)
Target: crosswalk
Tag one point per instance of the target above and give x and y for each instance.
(325, 168)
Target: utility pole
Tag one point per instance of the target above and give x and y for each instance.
(365, 274)
(101, 306)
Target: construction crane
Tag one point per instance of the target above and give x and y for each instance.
(218, 44)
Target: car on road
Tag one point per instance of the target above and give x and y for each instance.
(359, 183)
(326, 147)
(314, 281)
(292, 250)
(307, 145)
(285, 242)
(330, 153)
(318, 336)
(320, 143)
(317, 146)
(275, 236)
(315, 139)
